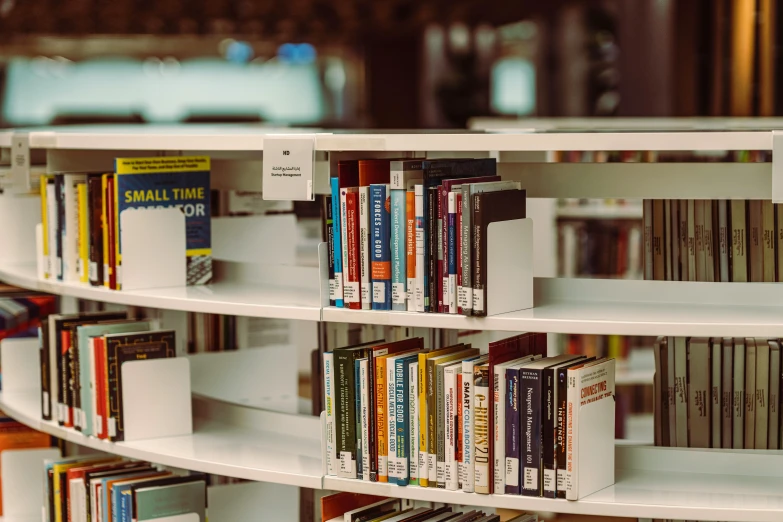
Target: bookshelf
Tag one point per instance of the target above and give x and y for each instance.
(264, 446)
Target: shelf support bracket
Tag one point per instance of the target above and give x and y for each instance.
(777, 166)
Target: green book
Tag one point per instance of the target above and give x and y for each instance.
(166, 501)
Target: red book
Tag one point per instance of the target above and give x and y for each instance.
(112, 236)
(354, 259)
(338, 504)
(459, 246)
(65, 345)
(100, 387)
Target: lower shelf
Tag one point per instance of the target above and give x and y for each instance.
(238, 449)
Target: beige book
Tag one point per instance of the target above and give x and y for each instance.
(685, 274)
(768, 239)
(750, 393)
(716, 412)
(738, 400)
(773, 433)
(692, 272)
(755, 250)
(671, 395)
(779, 234)
(709, 241)
(647, 213)
(762, 393)
(699, 403)
(673, 242)
(659, 237)
(667, 239)
(739, 260)
(701, 265)
(681, 390)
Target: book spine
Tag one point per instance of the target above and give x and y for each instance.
(768, 240)
(693, 273)
(510, 467)
(739, 262)
(774, 396)
(112, 233)
(345, 420)
(727, 377)
(667, 258)
(420, 248)
(452, 254)
(750, 394)
(365, 407)
(410, 250)
(562, 431)
(549, 429)
(331, 456)
(673, 239)
(105, 229)
(442, 196)
(372, 442)
(465, 292)
(440, 428)
(755, 244)
(337, 250)
(458, 428)
(381, 255)
(458, 234)
(698, 390)
(401, 418)
(352, 290)
(432, 223)
(681, 390)
(479, 250)
(716, 417)
(779, 238)
(329, 233)
(671, 385)
(723, 241)
(658, 238)
(381, 421)
(468, 462)
(762, 394)
(62, 379)
(738, 401)
(709, 242)
(647, 213)
(701, 263)
(498, 429)
(364, 246)
(83, 235)
(530, 421)
(432, 431)
(450, 480)
(412, 456)
(685, 272)
(391, 424)
(481, 409)
(95, 196)
(572, 436)
(358, 419)
(52, 227)
(423, 460)
(116, 244)
(71, 229)
(398, 250)
(45, 225)
(43, 343)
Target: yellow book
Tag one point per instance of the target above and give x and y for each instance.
(105, 232)
(57, 469)
(83, 237)
(423, 438)
(116, 245)
(45, 225)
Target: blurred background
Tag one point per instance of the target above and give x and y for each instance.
(383, 64)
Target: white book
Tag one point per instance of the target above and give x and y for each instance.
(569, 257)
(647, 213)
(738, 427)
(331, 452)
(634, 259)
(727, 378)
(54, 269)
(468, 435)
(71, 229)
(672, 239)
(451, 278)
(364, 404)
(499, 418)
(762, 394)
(681, 391)
(451, 402)
(413, 422)
(717, 392)
(750, 393)
(364, 246)
(420, 238)
(773, 435)
(344, 248)
(591, 418)
(671, 394)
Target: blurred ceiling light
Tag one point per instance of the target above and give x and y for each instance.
(224, 44)
(170, 66)
(152, 66)
(6, 6)
(459, 37)
(239, 52)
(302, 53)
(334, 77)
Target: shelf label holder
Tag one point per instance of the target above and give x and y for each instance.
(777, 166)
(288, 166)
(18, 178)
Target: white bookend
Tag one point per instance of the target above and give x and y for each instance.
(23, 482)
(364, 247)
(21, 364)
(156, 398)
(153, 247)
(331, 454)
(591, 452)
(509, 267)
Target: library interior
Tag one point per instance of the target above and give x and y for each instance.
(200, 199)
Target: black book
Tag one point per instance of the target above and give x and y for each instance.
(488, 208)
(95, 226)
(124, 347)
(431, 297)
(59, 196)
(46, 392)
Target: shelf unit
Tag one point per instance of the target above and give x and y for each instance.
(650, 482)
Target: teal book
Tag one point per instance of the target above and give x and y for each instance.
(402, 417)
(405, 174)
(86, 361)
(128, 500)
(168, 501)
(175, 181)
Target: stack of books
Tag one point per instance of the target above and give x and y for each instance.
(719, 392)
(713, 240)
(81, 360)
(112, 489)
(21, 310)
(412, 234)
(81, 216)
(506, 422)
(354, 507)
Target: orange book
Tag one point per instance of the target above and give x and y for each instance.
(410, 249)
(380, 418)
(14, 436)
(333, 506)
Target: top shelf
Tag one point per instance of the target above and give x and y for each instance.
(514, 137)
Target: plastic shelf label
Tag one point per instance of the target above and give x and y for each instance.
(288, 168)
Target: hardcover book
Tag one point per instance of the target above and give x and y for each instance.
(380, 254)
(739, 258)
(658, 237)
(182, 182)
(773, 433)
(150, 503)
(698, 391)
(738, 396)
(337, 249)
(405, 174)
(755, 241)
(727, 383)
(371, 172)
(762, 394)
(468, 432)
(750, 393)
(481, 409)
(95, 225)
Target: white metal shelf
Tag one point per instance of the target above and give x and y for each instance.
(244, 299)
(600, 212)
(214, 447)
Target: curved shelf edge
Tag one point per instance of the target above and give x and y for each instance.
(250, 300)
(214, 447)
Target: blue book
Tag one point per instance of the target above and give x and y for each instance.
(358, 402)
(337, 287)
(398, 261)
(401, 417)
(380, 248)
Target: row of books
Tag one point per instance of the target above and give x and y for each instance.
(354, 507)
(22, 310)
(455, 419)
(713, 240)
(412, 234)
(82, 216)
(81, 360)
(112, 489)
(600, 248)
(718, 392)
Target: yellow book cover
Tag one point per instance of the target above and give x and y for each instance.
(380, 418)
(105, 231)
(83, 237)
(57, 470)
(45, 225)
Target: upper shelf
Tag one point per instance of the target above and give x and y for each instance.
(251, 138)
